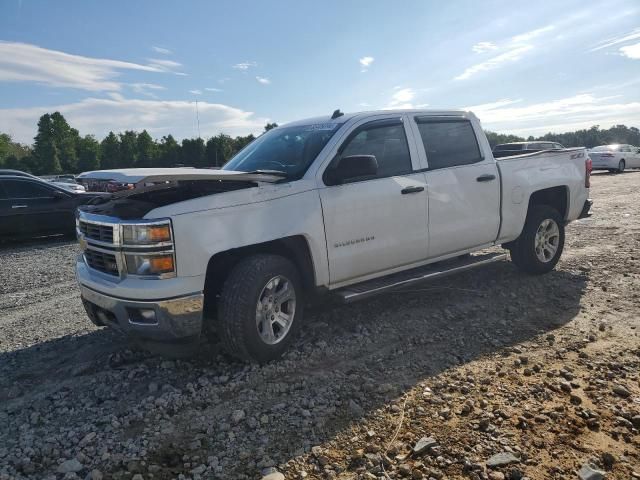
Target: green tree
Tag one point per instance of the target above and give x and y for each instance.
(147, 150)
(498, 138)
(45, 150)
(14, 163)
(110, 152)
(219, 150)
(168, 152)
(10, 149)
(88, 154)
(270, 126)
(192, 152)
(240, 142)
(128, 149)
(66, 141)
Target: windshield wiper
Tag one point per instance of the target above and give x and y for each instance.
(275, 173)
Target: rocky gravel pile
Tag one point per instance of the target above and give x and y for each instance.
(487, 375)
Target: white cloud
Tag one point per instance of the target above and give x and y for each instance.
(263, 80)
(631, 51)
(146, 88)
(627, 37)
(161, 50)
(21, 62)
(365, 63)
(530, 35)
(561, 115)
(196, 92)
(162, 64)
(245, 65)
(213, 89)
(483, 47)
(509, 56)
(512, 51)
(402, 98)
(492, 105)
(99, 115)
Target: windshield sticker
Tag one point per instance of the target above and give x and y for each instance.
(321, 126)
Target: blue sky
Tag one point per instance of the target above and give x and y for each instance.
(522, 67)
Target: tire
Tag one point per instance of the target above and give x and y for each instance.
(621, 166)
(523, 251)
(244, 333)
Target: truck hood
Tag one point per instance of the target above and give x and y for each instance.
(144, 176)
(135, 203)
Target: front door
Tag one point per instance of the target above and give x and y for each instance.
(38, 208)
(376, 224)
(464, 187)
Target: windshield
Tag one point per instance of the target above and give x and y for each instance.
(290, 150)
(606, 148)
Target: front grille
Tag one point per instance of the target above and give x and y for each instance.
(95, 231)
(102, 261)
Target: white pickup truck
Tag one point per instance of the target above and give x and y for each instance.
(344, 205)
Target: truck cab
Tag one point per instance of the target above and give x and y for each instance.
(347, 205)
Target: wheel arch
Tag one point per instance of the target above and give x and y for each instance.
(556, 197)
(295, 248)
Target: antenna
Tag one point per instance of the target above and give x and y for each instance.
(198, 118)
(336, 114)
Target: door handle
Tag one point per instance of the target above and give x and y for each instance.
(486, 178)
(18, 206)
(406, 190)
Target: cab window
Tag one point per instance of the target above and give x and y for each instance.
(384, 139)
(448, 143)
(24, 189)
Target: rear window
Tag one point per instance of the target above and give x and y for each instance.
(508, 146)
(448, 143)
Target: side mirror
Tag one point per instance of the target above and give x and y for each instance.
(352, 166)
(58, 195)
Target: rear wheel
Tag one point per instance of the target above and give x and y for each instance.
(541, 242)
(621, 166)
(260, 308)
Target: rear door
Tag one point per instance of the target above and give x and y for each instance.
(38, 208)
(375, 225)
(464, 187)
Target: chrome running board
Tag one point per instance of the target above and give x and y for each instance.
(422, 274)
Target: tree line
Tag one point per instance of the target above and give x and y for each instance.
(59, 148)
(590, 137)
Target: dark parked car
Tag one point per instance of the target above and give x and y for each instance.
(520, 148)
(30, 206)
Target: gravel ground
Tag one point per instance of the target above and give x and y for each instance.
(487, 375)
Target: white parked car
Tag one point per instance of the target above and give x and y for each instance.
(73, 187)
(615, 158)
(342, 205)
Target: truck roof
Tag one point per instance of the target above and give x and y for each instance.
(353, 115)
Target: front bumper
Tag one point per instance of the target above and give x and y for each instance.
(173, 320)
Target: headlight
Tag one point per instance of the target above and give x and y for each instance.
(150, 264)
(146, 234)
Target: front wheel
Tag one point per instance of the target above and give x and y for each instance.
(260, 308)
(540, 244)
(621, 166)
